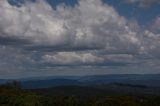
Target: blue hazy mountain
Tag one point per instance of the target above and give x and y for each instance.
(152, 80)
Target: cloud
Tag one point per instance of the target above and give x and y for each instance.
(143, 3)
(72, 58)
(40, 25)
(89, 33)
(32, 22)
(155, 26)
(13, 59)
(90, 25)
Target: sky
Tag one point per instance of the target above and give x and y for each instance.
(79, 37)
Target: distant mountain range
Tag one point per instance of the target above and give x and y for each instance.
(147, 80)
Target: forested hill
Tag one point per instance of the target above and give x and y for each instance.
(12, 95)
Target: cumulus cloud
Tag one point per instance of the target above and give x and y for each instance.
(89, 33)
(32, 22)
(72, 58)
(39, 24)
(144, 3)
(89, 25)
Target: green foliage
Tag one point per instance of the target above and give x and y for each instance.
(11, 96)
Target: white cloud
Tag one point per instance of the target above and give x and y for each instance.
(90, 24)
(151, 39)
(72, 58)
(31, 21)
